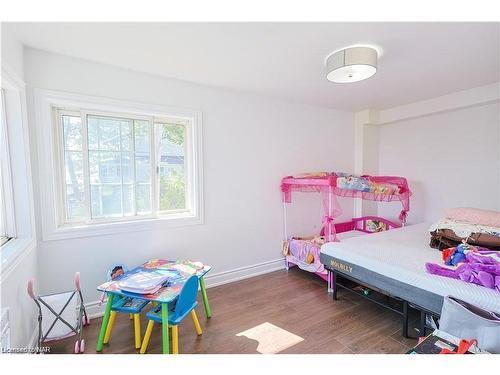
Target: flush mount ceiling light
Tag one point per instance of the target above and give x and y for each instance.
(351, 64)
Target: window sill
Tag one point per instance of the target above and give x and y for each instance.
(12, 252)
(109, 228)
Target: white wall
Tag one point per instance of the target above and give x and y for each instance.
(22, 310)
(371, 147)
(11, 52)
(21, 263)
(451, 159)
(249, 143)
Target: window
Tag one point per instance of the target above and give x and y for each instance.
(7, 220)
(17, 229)
(119, 167)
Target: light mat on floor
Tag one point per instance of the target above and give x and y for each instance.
(271, 339)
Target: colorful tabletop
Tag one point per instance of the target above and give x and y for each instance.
(179, 270)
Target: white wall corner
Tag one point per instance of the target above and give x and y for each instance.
(361, 120)
(10, 74)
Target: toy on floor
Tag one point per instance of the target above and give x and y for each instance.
(61, 315)
(362, 289)
(463, 347)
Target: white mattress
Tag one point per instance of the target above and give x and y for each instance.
(401, 254)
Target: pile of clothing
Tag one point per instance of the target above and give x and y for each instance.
(469, 239)
(473, 226)
(474, 265)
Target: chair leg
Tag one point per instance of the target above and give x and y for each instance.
(175, 339)
(137, 330)
(109, 328)
(147, 336)
(196, 323)
(131, 316)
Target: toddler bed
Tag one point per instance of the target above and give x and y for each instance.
(394, 262)
(305, 251)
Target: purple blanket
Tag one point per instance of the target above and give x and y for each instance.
(477, 269)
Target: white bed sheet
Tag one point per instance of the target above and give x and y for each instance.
(401, 254)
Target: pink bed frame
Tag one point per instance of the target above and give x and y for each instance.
(359, 223)
(327, 186)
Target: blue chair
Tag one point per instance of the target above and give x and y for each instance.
(185, 304)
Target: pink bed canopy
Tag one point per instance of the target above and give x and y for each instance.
(326, 184)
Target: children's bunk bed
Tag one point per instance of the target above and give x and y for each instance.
(304, 252)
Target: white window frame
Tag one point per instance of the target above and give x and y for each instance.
(6, 194)
(20, 193)
(49, 133)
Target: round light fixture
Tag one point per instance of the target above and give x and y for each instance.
(351, 64)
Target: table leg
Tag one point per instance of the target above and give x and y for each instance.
(105, 320)
(208, 311)
(164, 328)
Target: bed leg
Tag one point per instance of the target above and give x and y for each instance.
(287, 267)
(405, 319)
(334, 285)
(423, 317)
(329, 280)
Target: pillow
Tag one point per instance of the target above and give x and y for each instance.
(474, 216)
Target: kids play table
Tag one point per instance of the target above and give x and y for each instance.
(163, 296)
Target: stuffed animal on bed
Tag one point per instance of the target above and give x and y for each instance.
(319, 240)
(453, 256)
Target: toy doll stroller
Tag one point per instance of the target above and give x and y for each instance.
(58, 317)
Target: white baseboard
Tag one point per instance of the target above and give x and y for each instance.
(237, 274)
(95, 309)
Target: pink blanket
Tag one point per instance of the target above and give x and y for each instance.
(301, 248)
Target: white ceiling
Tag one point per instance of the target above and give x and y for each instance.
(419, 60)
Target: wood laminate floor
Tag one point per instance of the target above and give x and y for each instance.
(295, 301)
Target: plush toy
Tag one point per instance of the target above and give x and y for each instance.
(453, 256)
(319, 240)
(116, 272)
